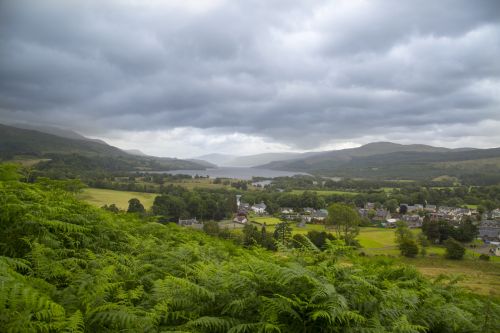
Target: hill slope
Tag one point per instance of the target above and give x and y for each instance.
(70, 267)
(90, 155)
(386, 160)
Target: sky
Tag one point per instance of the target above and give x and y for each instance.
(184, 78)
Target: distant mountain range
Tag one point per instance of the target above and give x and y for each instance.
(70, 151)
(379, 160)
(328, 159)
(387, 160)
(249, 160)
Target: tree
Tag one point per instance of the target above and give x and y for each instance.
(169, 206)
(424, 243)
(135, 206)
(267, 241)
(466, 232)
(408, 248)
(402, 232)
(211, 228)
(454, 249)
(112, 208)
(251, 236)
(283, 232)
(405, 240)
(391, 205)
(319, 238)
(345, 220)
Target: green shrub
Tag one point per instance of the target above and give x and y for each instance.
(454, 249)
(484, 257)
(408, 248)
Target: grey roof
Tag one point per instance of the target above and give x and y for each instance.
(260, 205)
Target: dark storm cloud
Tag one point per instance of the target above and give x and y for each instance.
(329, 70)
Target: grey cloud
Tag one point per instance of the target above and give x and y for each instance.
(330, 71)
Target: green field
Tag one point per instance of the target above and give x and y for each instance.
(267, 220)
(327, 192)
(101, 197)
(478, 276)
(481, 277)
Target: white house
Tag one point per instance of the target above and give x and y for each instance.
(259, 208)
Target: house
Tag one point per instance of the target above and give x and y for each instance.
(495, 214)
(262, 183)
(259, 208)
(370, 205)
(286, 210)
(320, 215)
(411, 209)
(430, 208)
(290, 217)
(240, 219)
(489, 230)
(381, 214)
(390, 223)
(413, 221)
(244, 206)
(193, 223)
(308, 210)
(363, 212)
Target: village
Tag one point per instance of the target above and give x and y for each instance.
(488, 224)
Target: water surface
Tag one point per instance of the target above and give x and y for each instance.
(235, 172)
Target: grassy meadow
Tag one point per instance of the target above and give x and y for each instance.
(100, 197)
(482, 277)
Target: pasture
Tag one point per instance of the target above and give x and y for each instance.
(481, 277)
(100, 197)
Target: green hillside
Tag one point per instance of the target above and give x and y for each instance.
(66, 266)
(77, 157)
(392, 161)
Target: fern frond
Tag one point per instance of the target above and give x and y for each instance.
(212, 324)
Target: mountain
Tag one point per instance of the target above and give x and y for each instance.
(249, 160)
(217, 159)
(327, 159)
(135, 152)
(62, 132)
(259, 159)
(386, 160)
(206, 164)
(85, 156)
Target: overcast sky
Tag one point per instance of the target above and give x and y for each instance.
(190, 77)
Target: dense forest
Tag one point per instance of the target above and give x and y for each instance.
(68, 267)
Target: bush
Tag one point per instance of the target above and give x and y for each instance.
(319, 238)
(484, 257)
(454, 249)
(408, 248)
(211, 228)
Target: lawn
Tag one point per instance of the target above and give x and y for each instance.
(267, 220)
(101, 197)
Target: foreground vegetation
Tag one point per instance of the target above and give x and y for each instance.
(67, 266)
